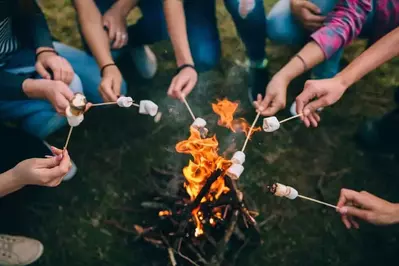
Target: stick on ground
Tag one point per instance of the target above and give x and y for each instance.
(250, 132)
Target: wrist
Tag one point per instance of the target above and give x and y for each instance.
(344, 80)
(105, 67)
(180, 61)
(12, 177)
(395, 214)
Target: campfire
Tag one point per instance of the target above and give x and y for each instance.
(207, 219)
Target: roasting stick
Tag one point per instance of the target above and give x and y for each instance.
(318, 201)
(188, 107)
(289, 118)
(110, 103)
(68, 138)
(250, 132)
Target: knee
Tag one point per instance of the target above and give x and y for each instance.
(206, 57)
(279, 30)
(76, 84)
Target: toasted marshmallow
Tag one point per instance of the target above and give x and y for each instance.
(271, 124)
(235, 171)
(199, 122)
(78, 104)
(238, 157)
(124, 101)
(285, 191)
(148, 108)
(73, 120)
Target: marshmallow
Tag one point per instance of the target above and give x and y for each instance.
(281, 190)
(238, 157)
(78, 104)
(124, 101)
(271, 124)
(235, 171)
(148, 108)
(199, 122)
(73, 120)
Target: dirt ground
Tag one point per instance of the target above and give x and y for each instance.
(114, 150)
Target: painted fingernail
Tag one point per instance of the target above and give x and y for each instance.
(343, 210)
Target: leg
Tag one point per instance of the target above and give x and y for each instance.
(254, 22)
(329, 68)
(87, 69)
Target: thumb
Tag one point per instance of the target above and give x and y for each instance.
(49, 162)
(66, 92)
(312, 7)
(42, 71)
(356, 212)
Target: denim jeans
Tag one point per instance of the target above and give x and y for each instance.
(202, 31)
(283, 28)
(38, 117)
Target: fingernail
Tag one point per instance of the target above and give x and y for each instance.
(59, 157)
(343, 210)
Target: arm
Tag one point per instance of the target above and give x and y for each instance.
(176, 22)
(91, 23)
(8, 183)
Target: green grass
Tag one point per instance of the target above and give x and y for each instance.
(114, 150)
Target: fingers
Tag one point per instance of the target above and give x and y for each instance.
(311, 6)
(55, 174)
(56, 151)
(313, 106)
(67, 71)
(171, 87)
(116, 88)
(346, 222)
(111, 32)
(56, 67)
(118, 40)
(262, 105)
(356, 212)
(48, 162)
(106, 90)
(42, 71)
(347, 195)
(188, 88)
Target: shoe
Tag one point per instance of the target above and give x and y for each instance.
(19, 251)
(258, 80)
(145, 61)
(72, 171)
(380, 135)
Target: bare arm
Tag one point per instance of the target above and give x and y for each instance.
(382, 51)
(90, 20)
(176, 21)
(8, 183)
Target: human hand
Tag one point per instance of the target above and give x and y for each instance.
(365, 206)
(308, 14)
(58, 65)
(318, 94)
(47, 172)
(183, 83)
(57, 92)
(110, 86)
(275, 97)
(115, 22)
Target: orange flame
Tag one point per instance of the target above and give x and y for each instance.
(205, 161)
(226, 109)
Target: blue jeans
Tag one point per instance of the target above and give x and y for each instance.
(202, 29)
(38, 117)
(283, 28)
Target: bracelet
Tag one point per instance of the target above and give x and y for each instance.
(305, 66)
(104, 67)
(45, 51)
(180, 68)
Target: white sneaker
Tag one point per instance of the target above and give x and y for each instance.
(19, 251)
(145, 61)
(72, 171)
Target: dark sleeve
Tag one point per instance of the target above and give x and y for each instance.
(11, 86)
(32, 25)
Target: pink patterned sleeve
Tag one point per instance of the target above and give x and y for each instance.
(342, 25)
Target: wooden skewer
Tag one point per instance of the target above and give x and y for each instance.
(289, 118)
(110, 103)
(250, 132)
(318, 201)
(68, 138)
(188, 107)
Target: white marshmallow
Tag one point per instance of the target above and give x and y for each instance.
(148, 108)
(73, 120)
(199, 122)
(238, 157)
(235, 171)
(271, 124)
(286, 191)
(124, 101)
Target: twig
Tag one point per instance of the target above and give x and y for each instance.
(68, 138)
(172, 257)
(289, 118)
(318, 201)
(188, 107)
(250, 132)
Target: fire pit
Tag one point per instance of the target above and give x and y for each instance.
(207, 220)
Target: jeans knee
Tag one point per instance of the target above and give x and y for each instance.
(76, 84)
(278, 30)
(206, 57)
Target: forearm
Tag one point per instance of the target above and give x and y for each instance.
(379, 53)
(176, 22)
(8, 184)
(311, 54)
(91, 23)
